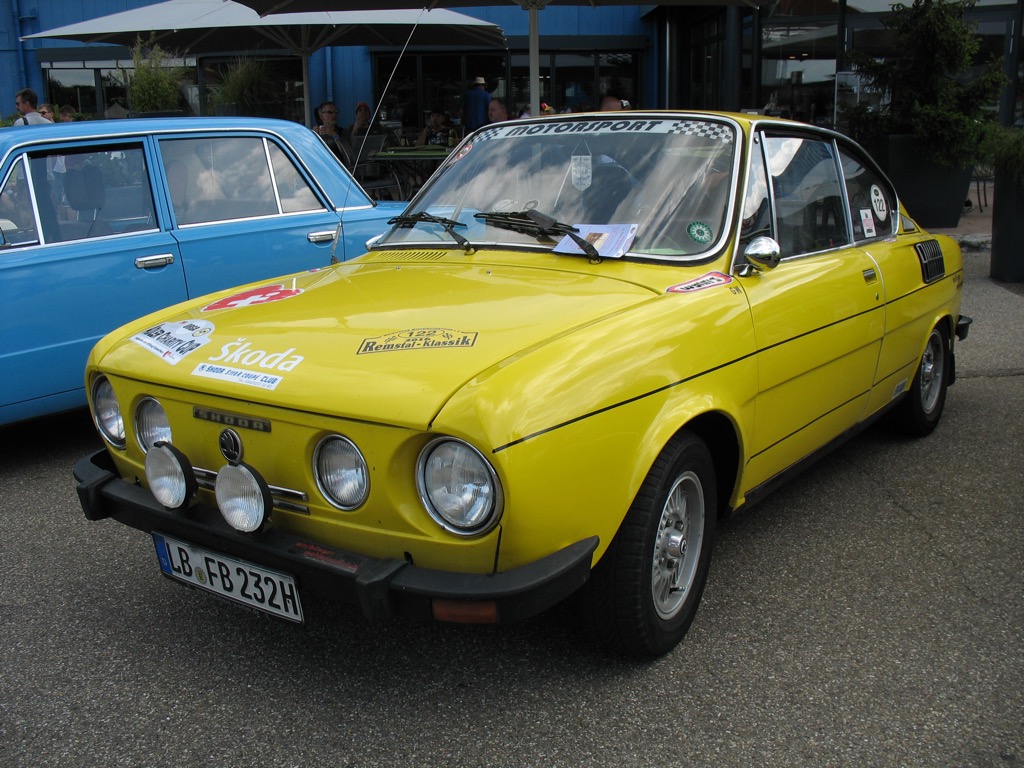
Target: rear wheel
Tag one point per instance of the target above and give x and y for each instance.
(644, 592)
(920, 411)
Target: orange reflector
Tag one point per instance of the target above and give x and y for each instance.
(465, 611)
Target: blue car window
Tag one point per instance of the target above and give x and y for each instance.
(295, 194)
(17, 216)
(93, 193)
(218, 178)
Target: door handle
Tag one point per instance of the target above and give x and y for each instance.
(152, 262)
(870, 275)
(321, 237)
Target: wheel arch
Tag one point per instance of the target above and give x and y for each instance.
(718, 432)
(946, 322)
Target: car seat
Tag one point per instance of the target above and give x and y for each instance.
(86, 195)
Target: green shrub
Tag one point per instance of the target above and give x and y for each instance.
(155, 83)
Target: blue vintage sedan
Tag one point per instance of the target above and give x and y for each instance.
(103, 222)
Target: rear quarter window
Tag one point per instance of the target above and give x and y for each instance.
(218, 178)
(872, 201)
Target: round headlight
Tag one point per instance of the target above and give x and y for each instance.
(459, 487)
(107, 412)
(242, 497)
(169, 475)
(151, 424)
(341, 472)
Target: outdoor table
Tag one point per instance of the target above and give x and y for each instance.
(414, 165)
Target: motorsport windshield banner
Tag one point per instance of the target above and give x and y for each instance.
(591, 127)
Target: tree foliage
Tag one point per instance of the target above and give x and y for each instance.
(935, 90)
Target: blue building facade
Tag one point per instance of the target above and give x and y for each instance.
(787, 57)
(587, 52)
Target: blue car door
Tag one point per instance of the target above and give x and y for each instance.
(244, 212)
(84, 251)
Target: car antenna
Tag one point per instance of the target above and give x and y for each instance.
(334, 244)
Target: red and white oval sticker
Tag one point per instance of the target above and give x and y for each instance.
(262, 295)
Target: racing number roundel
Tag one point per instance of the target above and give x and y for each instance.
(878, 203)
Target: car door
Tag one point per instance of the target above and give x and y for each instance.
(243, 211)
(84, 252)
(818, 317)
(911, 267)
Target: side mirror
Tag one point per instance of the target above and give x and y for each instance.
(763, 253)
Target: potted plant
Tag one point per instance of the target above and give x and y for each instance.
(928, 132)
(245, 88)
(154, 87)
(1004, 151)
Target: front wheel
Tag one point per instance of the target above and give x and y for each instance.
(919, 412)
(643, 594)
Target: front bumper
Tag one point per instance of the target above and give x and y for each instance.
(383, 588)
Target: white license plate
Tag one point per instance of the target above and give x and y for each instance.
(247, 583)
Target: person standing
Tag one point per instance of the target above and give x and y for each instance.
(67, 114)
(474, 111)
(26, 101)
(46, 110)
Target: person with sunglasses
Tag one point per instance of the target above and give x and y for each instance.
(46, 110)
(26, 102)
(327, 129)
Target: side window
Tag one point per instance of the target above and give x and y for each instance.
(17, 217)
(218, 178)
(92, 193)
(77, 194)
(809, 211)
(295, 194)
(872, 201)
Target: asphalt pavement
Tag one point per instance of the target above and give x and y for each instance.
(870, 613)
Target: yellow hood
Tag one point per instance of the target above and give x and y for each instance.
(374, 340)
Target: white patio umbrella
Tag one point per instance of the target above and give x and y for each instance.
(209, 26)
(283, 7)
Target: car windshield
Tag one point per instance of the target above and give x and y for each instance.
(664, 183)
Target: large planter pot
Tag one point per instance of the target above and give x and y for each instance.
(1007, 261)
(933, 195)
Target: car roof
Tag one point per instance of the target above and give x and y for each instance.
(93, 129)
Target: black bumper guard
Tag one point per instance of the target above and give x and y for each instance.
(383, 588)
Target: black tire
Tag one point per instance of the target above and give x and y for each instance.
(919, 412)
(643, 594)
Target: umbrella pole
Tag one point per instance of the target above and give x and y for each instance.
(534, 10)
(307, 108)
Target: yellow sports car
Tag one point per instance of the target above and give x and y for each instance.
(585, 340)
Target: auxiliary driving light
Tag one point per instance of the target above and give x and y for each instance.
(243, 497)
(169, 474)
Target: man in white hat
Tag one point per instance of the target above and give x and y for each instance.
(474, 110)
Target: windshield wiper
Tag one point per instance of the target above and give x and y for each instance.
(534, 222)
(429, 218)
